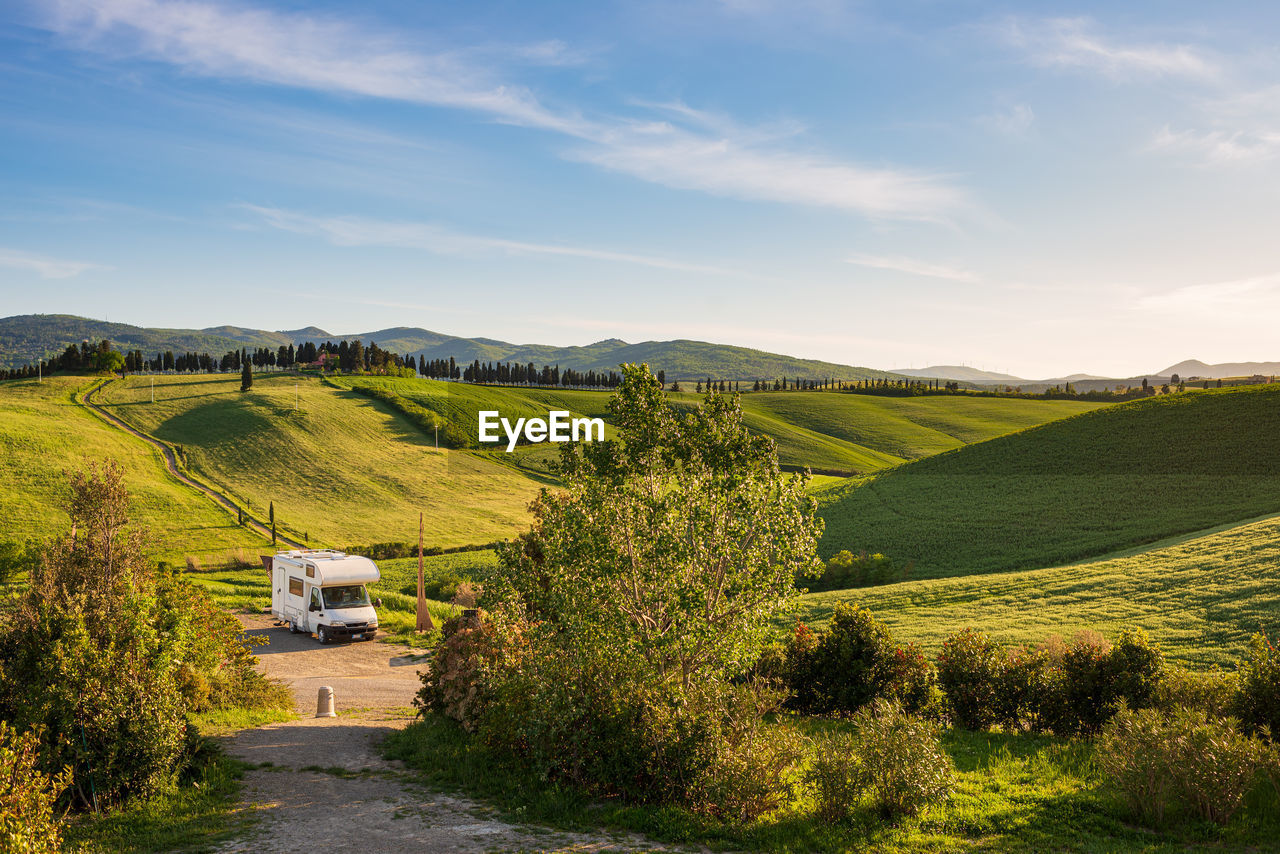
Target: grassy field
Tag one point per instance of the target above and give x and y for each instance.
(340, 468)
(44, 432)
(1072, 489)
(1200, 599)
(837, 432)
(1014, 793)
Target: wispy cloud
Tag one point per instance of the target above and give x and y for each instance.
(1077, 43)
(429, 237)
(914, 267)
(1219, 146)
(335, 55)
(1015, 121)
(1234, 297)
(43, 266)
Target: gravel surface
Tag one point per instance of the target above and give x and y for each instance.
(319, 783)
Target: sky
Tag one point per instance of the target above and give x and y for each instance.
(1034, 188)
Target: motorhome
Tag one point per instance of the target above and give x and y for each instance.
(323, 591)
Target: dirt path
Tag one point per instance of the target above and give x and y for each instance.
(319, 783)
(171, 463)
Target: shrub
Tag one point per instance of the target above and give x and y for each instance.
(1214, 693)
(1029, 690)
(853, 662)
(901, 760)
(1135, 753)
(1258, 701)
(27, 795)
(970, 672)
(1187, 757)
(456, 681)
(835, 777)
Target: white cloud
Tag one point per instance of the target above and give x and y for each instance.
(1219, 146)
(360, 231)
(1016, 121)
(1253, 296)
(45, 267)
(914, 267)
(334, 55)
(1075, 43)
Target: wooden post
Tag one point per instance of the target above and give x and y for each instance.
(424, 623)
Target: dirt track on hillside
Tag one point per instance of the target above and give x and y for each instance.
(171, 463)
(319, 783)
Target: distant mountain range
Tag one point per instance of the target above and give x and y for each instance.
(26, 338)
(1187, 370)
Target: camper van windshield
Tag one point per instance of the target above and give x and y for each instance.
(348, 596)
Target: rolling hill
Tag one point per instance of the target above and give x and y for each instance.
(850, 433)
(44, 432)
(1200, 598)
(341, 468)
(1071, 489)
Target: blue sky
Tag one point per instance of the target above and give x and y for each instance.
(1039, 188)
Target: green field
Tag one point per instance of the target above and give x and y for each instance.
(341, 468)
(854, 433)
(1201, 599)
(1072, 489)
(44, 432)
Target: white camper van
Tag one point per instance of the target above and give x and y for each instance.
(323, 591)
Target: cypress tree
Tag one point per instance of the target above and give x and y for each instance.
(246, 376)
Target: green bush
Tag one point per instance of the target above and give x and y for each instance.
(1215, 693)
(1135, 752)
(1069, 690)
(27, 795)
(1188, 758)
(852, 662)
(1258, 701)
(834, 777)
(1096, 677)
(901, 761)
(103, 703)
(970, 672)
(1029, 688)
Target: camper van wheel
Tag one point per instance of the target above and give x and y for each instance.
(322, 635)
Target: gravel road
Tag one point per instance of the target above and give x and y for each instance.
(319, 783)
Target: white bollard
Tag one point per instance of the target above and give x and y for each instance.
(324, 703)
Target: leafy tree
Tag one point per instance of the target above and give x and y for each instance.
(675, 545)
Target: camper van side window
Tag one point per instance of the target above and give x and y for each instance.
(295, 586)
(311, 571)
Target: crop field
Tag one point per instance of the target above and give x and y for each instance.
(827, 431)
(1073, 489)
(1201, 598)
(44, 432)
(339, 468)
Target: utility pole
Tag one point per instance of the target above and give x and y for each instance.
(437, 426)
(153, 388)
(424, 623)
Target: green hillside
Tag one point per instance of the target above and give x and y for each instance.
(342, 468)
(24, 339)
(1201, 599)
(1071, 489)
(826, 431)
(44, 432)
